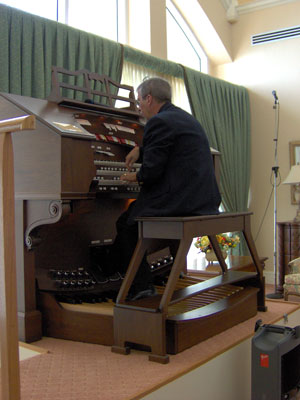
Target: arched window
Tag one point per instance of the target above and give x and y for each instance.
(183, 47)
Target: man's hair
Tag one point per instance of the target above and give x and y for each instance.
(159, 88)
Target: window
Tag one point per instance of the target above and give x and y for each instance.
(134, 74)
(47, 9)
(139, 25)
(105, 18)
(95, 16)
(183, 46)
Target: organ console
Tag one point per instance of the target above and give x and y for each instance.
(68, 196)
(67, 189)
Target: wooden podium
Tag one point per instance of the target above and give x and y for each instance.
(10, 377)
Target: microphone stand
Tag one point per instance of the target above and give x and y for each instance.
(275, 169)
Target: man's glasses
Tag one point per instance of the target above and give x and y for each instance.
(138, 102)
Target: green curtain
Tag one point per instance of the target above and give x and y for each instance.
(31, 45)
(223, 110)
(148, 61)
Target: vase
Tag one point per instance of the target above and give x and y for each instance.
(211, 256)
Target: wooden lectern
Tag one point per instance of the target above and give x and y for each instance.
(10, 376)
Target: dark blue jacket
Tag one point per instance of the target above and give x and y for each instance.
(177, 175)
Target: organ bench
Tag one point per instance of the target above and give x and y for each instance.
(146, 322)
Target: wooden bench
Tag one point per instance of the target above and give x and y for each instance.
(144, 321)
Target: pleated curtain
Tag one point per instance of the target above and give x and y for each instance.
(156, 64)
(31, 45)
(224, 112)
(223, 109)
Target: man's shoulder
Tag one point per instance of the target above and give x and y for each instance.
(170, 111)
(173, 114)
(170, 107)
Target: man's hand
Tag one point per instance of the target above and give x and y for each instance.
(132, 157)
(129, 176)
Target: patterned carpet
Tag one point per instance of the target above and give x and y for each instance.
(80, 371)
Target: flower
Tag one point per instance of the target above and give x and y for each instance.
(225, 241)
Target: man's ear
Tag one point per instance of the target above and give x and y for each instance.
(150, 99)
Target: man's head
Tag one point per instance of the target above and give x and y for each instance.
(152, 94)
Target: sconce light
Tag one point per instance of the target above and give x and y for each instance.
(293, 178)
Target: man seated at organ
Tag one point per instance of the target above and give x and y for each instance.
(176, 176)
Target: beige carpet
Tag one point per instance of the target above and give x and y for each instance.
(80, 371)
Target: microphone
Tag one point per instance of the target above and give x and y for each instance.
(275, 96)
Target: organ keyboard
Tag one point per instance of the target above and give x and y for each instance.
(108, 177)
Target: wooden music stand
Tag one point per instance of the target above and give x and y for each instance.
(10, 376)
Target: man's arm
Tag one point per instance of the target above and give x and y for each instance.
(132, 157)
(157, 145)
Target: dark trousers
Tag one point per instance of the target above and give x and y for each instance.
(122, 251)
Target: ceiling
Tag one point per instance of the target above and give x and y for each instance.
(218, 51)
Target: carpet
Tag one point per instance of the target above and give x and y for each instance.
(81, 371)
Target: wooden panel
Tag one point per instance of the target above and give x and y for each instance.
(171, 230)
(72, 325)
(186, 333)
(78, 169)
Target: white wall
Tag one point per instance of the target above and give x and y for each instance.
(226, 377)
(262, 69)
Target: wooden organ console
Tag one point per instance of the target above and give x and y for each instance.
(67, 198)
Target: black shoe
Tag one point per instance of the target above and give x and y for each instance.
(115, 277)
(102, 279)
(149, 292)
(98, 273)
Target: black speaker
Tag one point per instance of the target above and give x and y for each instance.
(275, 369)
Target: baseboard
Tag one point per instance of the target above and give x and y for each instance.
(269, 277)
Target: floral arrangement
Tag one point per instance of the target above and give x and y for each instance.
(225, 241)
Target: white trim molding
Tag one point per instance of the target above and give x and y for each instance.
(234, 10)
